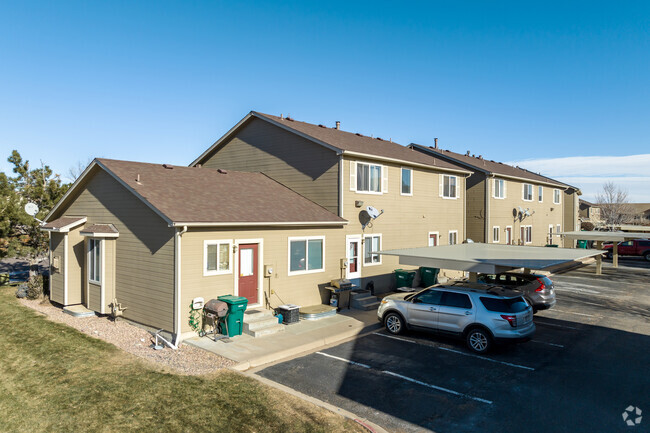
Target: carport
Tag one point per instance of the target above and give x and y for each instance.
(488, 258)
(599, 238)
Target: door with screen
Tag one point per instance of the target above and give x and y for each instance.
(353, 256)
(248, 272)
(508, 235)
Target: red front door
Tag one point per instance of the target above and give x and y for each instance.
(248, 281)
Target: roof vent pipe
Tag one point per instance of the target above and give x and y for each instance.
(338, 125)
(137, 177)
(435, 143)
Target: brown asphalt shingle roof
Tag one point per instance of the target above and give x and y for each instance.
(494, 166)
(101, 228)
(58, 223)
(204, 195)
(352, 142)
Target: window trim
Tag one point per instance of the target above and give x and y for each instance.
(217, 242)
(378, 235)
(498, 233)
(448, 237)
(558, 228)
(382, 174)
(523, 192)
(559, 196)
(306, 239)
(526, 228)
(540, 194)
(400, 181)
(91, 261)
(442, 187)
(502, 190)
(437, 239)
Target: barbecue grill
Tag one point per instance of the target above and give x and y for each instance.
(214, 314)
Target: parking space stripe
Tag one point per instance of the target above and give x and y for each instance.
(556, 326)
(358, 364)
(458, 352)
(571, 312)
(547, 343)
(439, 388)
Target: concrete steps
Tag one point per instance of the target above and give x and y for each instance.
(363, 300)
(261, 322)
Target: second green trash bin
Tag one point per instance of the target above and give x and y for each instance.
(404, 278)
(234, 322)
(428, 276)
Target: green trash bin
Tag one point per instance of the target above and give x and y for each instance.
(582, 244)
(234, 321)
(404, 278)
(428, 276)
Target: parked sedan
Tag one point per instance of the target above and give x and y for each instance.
(480, 314)
(537, 289)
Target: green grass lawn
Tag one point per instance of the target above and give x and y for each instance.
(54, 378)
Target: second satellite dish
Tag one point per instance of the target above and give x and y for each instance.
(31, 209)
(373, 212)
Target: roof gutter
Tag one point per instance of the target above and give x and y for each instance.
(403, 162)
(254, 224)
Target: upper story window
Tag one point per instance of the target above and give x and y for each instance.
(94, 260)
(306, 254)
(407, 181)
(453, 237)
(449, 186)
(499, 188)
(540, 193)
(556, 196)
(496, 230)
(368, 178)
(371, 245)
(528, 192)
(217, 257)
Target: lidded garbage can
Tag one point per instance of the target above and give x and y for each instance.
(582, 243)
(234, 322)
(428, 276)
(404, 278)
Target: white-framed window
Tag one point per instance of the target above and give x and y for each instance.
(367, 178)
(556, 196)
(94, 260)
(540, 194)
(499, 188)
(433, 239)
(407, 181)
(217, 257)
(306, 254)
(371, 244)
(496, 232)
(528, 192)
(558, 228)
(527, 234)
(453, 237)
(449, 186)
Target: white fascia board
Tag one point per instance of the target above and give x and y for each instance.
(99, 235)
(65, 229)
(531, 181)
(261, 224)
(222, 139)
(403, 162)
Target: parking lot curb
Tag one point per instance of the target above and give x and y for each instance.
(369, 425)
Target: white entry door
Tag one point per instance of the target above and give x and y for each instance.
(353, 256)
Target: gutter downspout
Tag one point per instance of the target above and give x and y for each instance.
(487, 206)
(341, 186)
(177, 278)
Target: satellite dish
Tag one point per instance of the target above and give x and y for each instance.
(514, 212)
(364, 218)
(373, 212)
(31, 209)
(469, 241)
(521, 209)
(527, 212)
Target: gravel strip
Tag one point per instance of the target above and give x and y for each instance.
(187, 359)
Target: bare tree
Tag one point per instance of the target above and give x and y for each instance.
(75, 171)
(613, 203)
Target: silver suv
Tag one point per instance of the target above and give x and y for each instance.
(481, 314)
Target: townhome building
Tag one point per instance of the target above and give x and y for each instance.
(511, 205)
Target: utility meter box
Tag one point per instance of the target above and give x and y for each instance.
(268, 270)
(344, 263)
(198, 303)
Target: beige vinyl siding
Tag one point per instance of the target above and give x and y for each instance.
(570, 204)
(94, 296)
(545, 213)
(144, 251)
(76, 276)
(301, 290)
(300, 164)
(109, 271)
(475, 191)
(57, 251)
(407, 220)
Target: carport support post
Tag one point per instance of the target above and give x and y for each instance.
(615, 259)
(599, 258)
(473, 277)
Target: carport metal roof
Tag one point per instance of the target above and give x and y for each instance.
(603, 236)
(488, 258)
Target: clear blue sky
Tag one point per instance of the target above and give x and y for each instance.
(160, 81)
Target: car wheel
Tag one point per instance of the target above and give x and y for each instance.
(394, 323)
(531, 305)
(478, 340)
(647, 256)
(610, 255)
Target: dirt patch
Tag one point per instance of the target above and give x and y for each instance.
(187, 359)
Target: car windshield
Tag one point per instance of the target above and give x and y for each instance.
(505, 305)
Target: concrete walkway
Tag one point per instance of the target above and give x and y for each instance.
(301, 337)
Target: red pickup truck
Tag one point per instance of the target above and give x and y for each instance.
(630, 248)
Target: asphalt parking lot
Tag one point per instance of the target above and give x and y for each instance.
(587, 363)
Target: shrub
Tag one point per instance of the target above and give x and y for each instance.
(35, 287)
(586, 225)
